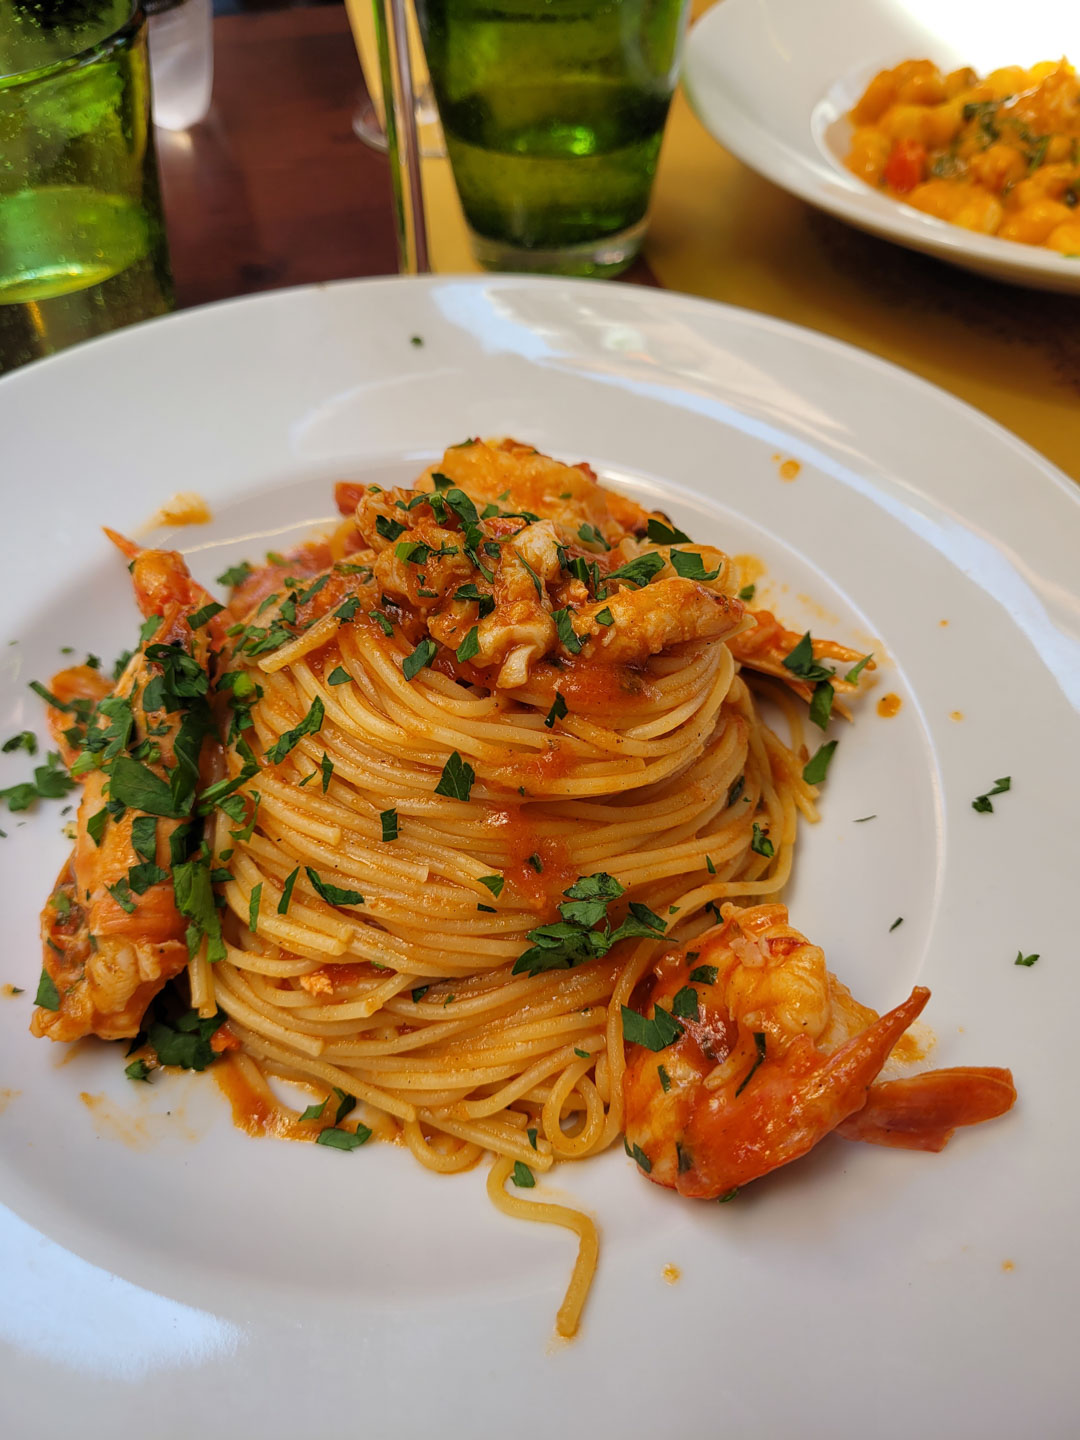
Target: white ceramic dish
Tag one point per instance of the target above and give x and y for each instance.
(164, 1272)
(773, 80)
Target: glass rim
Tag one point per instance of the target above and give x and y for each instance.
(88, 56)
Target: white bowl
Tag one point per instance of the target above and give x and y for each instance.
(773, 80)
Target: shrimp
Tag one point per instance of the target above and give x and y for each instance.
(109, 945)
(773, 1055)
(765, 647)
(645, 622)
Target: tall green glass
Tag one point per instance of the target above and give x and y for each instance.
(82, 244)
(553, 112)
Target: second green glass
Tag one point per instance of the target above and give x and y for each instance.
(553, 112)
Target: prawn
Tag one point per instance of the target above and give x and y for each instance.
(773, 1054)
(109, 946)
(766, 645)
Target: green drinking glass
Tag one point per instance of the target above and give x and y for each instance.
(82, 243)
(553, 112)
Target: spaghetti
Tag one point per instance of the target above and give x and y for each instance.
(490, 750)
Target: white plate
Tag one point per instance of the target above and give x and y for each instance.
(773, 80)
(195, 1281)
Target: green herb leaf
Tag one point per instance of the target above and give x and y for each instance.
(187, 1042)
(470, 646)
(382, 622)
(332, 894)
(315, 1112)
(817, 767)
(685, 1003)
(121, 893)
(254, 901)
(604, 617)
(639, 571)
(48, 997)
(655, 1034)
(898, 921)
(95, 825)
(759, 1041)
(523, 1177)
(557, 711)
(419, 993)
(856, 670)
(569, 637)
(423, 655)
(389, 820)
(138, 1070)
(1021, 959)
(821, 703)
(457, 778)
(704, 975)
(144, 836)
(636, 1153)
(137, 787)
(310, 725)
(665, 1079)
(761, 844)
(347, 609)
(344, 1139)
(494, 883)
(338, 676)
(589, 535)
(689, 564)
(748, 592)
(286, 894)
(661, 534)
(235, 575)
(346, 1105)
(141, 877)
(208, 611)
(727, 1195)
(149, 628)
(801, 661)
(387, 528)
(25, 740)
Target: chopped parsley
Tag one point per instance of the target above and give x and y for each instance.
(856, 670)
(382, 621)
(332, 894)
(326, 768)
(286, 894)
(310, 725)
(186, 1042)
(817, 767)
(494, 883)
(389, 821)
(801, 662)
(898, 921)
(523, 1177)
(387, 528)
(470, 646)
(759, 1041)
(748, 592)
(655, 1034)
(661, 534)
(982, 804)
(419, 993)
(344, 1139)
(536, 863)
(25, 740)
(760, 843)
(48, 997)
(254, 901)
(457, 778)
(735, 789)
(689, 564)
(569, 637)
(685, 1003)
(1021, 959)
(821, 703)
(665, 1079)
(636, 1153)
(235, 575)
(604, 616)
(589, 535)
(639, 571)
(704, 975)
(574, 939)
(581, 1054)
(423, 655)
(338, 676)
(50, 782)
(206, 614)
(557, 711)
(138, 1070)
(315, 1112)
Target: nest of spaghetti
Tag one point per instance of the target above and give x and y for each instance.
(453, 839)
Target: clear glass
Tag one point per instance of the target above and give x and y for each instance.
(369, 122)
(82, 243)
(553, 113)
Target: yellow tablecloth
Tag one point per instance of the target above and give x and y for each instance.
(720, 231)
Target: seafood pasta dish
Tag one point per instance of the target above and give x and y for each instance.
(1000, 156)
(465, 817)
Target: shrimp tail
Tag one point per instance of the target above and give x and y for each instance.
(921, 1112)
(731, 1141)
(127, 548)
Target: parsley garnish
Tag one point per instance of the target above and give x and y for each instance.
(570, 639)
(759, 1041)
(347, 609)
(494, 883)
(589, 535)
(286, 894)
(604, 616)
(636, 1153)
(235, 575)
(208, 611)
(689, 564)
(326, 766)
(421, 656)
(149, 628)
(855, 671)
(536, 863)
(523, 1177)
(661, 534)
(419, 993)
(557, 711)
(727, 1195)
(138, 1070)
(95, 825)
(25, 740)
(310, 725)
(685, 1003)
(747, 592)
(48, 997)
(141, 877)
(344, 1139)
(315, 1112)
(254, 901)
(982, 802)
(1021, 959)
(821, 704)
(382, 622)
(50, 782)
(187, 1042)
(389, 821)
(863, 819)
(332, 894)
(195, 900)
(134, 785)
(801, 661)
(581, 1054)
(387, 528)
(816, 768)
(639, 571)
(898, 921)
(761, 844)
(574, 939)
(470, 646)
(665, 1079)
(655, 1034)
(338, 676)
(704, 975)
(457, 778)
